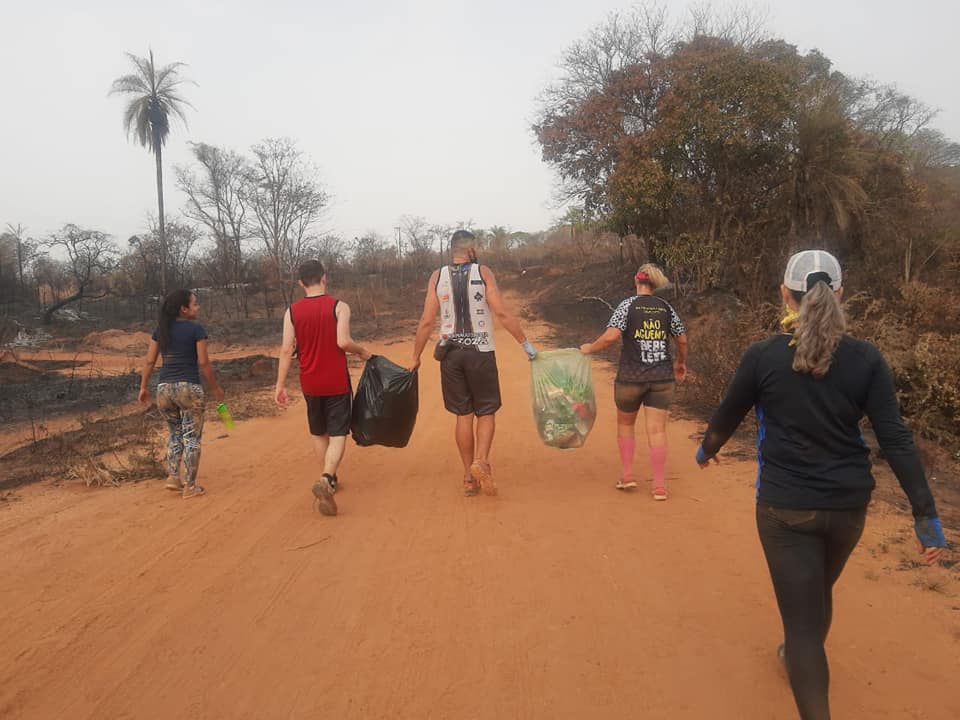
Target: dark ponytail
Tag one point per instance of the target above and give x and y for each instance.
(169, 312)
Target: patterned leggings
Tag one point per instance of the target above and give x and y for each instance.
(181, 404)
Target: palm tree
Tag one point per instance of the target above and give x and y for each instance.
(828, 167)
(153, 99)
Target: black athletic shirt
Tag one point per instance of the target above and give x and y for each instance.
(809, 447)
(647, 323)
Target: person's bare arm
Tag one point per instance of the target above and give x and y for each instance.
(431, 308)
(286, 360)
(610, 336)
(344, 339)
(499, 308)
(151, 362)
(680, 366)
(206, 367)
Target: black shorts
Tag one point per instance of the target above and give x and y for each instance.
(329, 414)
(470, 382)
(628, 397)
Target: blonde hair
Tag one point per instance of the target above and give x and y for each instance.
(657, 278)
(820, 324)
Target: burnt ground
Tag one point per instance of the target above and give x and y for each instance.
(119, 441)
(119, 431)
(49, 394)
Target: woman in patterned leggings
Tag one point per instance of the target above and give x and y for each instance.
(182, 342)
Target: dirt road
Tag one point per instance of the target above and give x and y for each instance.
(561, 598)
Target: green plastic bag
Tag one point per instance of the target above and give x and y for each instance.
(564, 406)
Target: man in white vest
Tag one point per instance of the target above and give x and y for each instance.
(466, 298)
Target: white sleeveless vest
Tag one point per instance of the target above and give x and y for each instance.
(464, 313)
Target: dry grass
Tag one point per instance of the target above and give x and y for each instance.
(932, 585)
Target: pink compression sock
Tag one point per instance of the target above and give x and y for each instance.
(627, 446)
(658, 462)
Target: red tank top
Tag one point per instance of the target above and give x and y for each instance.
(323, 365)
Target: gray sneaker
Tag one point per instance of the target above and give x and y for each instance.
(323, 490)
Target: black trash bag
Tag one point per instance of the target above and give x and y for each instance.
(386, 404)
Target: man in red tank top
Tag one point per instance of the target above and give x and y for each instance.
(319, 327)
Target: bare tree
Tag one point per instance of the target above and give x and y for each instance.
(91, 256)
(627, 38)
(932, 149)
(421, 240)
(330, 250)
(182, 237)
(588, 64)
(443, 233)
(893, 117)
(216, 198)
(743, 24)
(370, 254)
(26, 250)
(286, 200)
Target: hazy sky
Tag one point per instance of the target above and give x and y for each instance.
(418, 107)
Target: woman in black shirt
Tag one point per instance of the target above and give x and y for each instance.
(811, 386)
(644, 324)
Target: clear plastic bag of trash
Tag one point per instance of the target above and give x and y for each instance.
(564, 406)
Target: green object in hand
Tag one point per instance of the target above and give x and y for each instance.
(224, 414)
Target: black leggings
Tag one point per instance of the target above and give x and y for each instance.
(806, 551)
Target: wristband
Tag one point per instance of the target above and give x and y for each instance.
(930, 532)
(702, 458)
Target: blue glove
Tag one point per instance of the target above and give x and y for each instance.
(930, 532)
(702, 458)
(529, 349)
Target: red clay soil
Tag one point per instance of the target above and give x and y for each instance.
(560, 598)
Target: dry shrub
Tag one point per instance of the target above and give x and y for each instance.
(918, 333)
(110, 453)
(719, 328)
(917, 330)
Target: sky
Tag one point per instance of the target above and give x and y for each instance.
(408, 107)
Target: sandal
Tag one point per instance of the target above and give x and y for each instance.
(192, 491)
(173, 483)
(659, 492)
(470, 486)
(480, 473)
(626, 484)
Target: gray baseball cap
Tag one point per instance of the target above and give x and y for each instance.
(804, 264)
